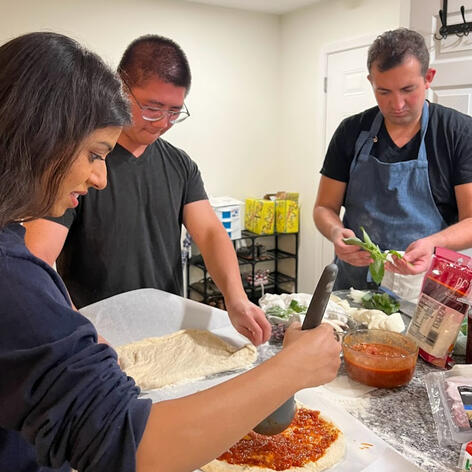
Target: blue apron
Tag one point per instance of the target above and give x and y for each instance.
(392, 201)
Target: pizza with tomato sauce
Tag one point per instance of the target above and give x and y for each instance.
(310, 443)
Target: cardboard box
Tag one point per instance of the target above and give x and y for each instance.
(287, 214)
(249, 214)
(260, 216)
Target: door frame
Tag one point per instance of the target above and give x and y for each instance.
(338, 46)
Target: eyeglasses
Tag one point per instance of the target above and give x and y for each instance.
(156, 114)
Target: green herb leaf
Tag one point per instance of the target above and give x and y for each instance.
(278, 311)
(377, 267)
(296, 307)
(367, 238)
(380, 301)
(395, 253)
(355, 242)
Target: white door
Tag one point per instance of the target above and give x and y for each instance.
(347, 92)
(451, 57)
(347, 89)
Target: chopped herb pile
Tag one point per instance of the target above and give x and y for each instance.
(380, 301)
(286, 313)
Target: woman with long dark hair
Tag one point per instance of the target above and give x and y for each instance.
(64, 401)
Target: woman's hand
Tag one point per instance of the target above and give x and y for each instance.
(315, 353)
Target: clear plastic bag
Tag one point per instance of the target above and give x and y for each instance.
(451, 419)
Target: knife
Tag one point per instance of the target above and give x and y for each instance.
(281, 418)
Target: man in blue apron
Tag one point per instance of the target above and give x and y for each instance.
(402, 170)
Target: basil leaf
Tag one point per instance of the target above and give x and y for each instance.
(354, 242)
(366, 237)
(395, 253)
(377, 270)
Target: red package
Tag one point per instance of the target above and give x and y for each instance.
(443, 303)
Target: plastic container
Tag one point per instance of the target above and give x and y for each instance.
(460, 433)
(379, 358)
(342, 324)
(228, 211)
(451, 418)
(279, 326)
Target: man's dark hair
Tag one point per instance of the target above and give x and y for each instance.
(152, 55)
(392, 47)
(53, 94)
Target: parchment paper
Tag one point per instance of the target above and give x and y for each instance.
(148, 312)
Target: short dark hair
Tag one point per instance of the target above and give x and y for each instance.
(152, 55)
(392, 47)
(53, 94)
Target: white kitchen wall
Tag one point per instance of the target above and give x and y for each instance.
(234, 57)
(256, 100)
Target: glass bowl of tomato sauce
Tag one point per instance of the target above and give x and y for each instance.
(379, 358)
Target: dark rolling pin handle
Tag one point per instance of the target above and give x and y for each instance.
(282, 417)
(320, 299)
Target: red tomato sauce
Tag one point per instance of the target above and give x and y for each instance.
(305, 440)
(384, 366)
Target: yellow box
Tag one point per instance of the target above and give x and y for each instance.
(287, 214)
(249, 214)
(263, 219)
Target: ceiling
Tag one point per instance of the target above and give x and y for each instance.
(268, 6)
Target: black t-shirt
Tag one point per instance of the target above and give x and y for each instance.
(127, 236)
(448, 143)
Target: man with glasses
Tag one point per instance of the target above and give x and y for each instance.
(128, 235)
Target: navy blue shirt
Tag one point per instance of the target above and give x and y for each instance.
(64, 401)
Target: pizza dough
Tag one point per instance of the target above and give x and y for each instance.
(185, 355)
(333, 455)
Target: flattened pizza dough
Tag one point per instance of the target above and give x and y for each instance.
(330, 457)
(185, 355)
